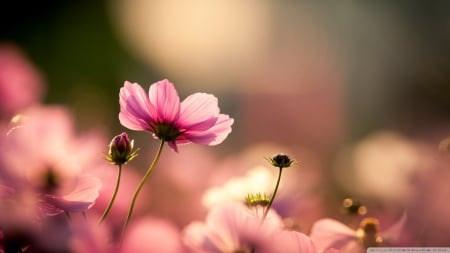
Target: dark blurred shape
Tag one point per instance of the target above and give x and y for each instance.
(354, 207)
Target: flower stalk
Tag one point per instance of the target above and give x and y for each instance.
(120, 152)
(281, 161)
(274, 193)
(141, 184)
(113, 198)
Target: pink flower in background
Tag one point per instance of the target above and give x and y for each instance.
(233, 227)
(330, 233)
(42, 155)
(88, 237)
(289, 241)
(21, 84)
(150, 234)
(79, 196)
(197, 119)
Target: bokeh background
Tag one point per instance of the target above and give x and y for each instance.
(321, 78)
(382, 64)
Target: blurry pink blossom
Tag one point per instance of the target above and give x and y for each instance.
(291, 242)
(88, 237)
(78, 198)
(329, 233)
(21, 84)
(197, 119)
(42, 155)
(232, 227)
(152, 235)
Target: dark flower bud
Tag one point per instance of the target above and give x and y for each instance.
(281, 161)
(121, 149)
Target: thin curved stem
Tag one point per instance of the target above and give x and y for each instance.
(141, 184)
(111, 202)
(274, 193)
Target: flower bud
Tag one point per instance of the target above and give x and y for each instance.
(281, 161)
(121, 149)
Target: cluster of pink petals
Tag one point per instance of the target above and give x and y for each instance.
(41, 155)
(197, 119)
(329, 233)
(233, 227)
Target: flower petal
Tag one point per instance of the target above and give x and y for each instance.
(136, 111)
(329, 233)
(159, 236)
(81, 198)
(173, 145)
(394, 232)
(196, 238)
(291, 241)
(87, 189)
(212, 136)
(164, 97)
(199, 112)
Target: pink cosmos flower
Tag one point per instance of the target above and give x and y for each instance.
(197, 119)
(43, 156)
(330, 233)
(233, 227)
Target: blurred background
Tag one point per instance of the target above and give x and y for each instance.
(347, 67)
(322, 76)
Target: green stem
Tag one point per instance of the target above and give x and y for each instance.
(274, 193)
(116, 189)
(141, 184)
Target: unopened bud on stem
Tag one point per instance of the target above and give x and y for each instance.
(281, 161)
(121, 149)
